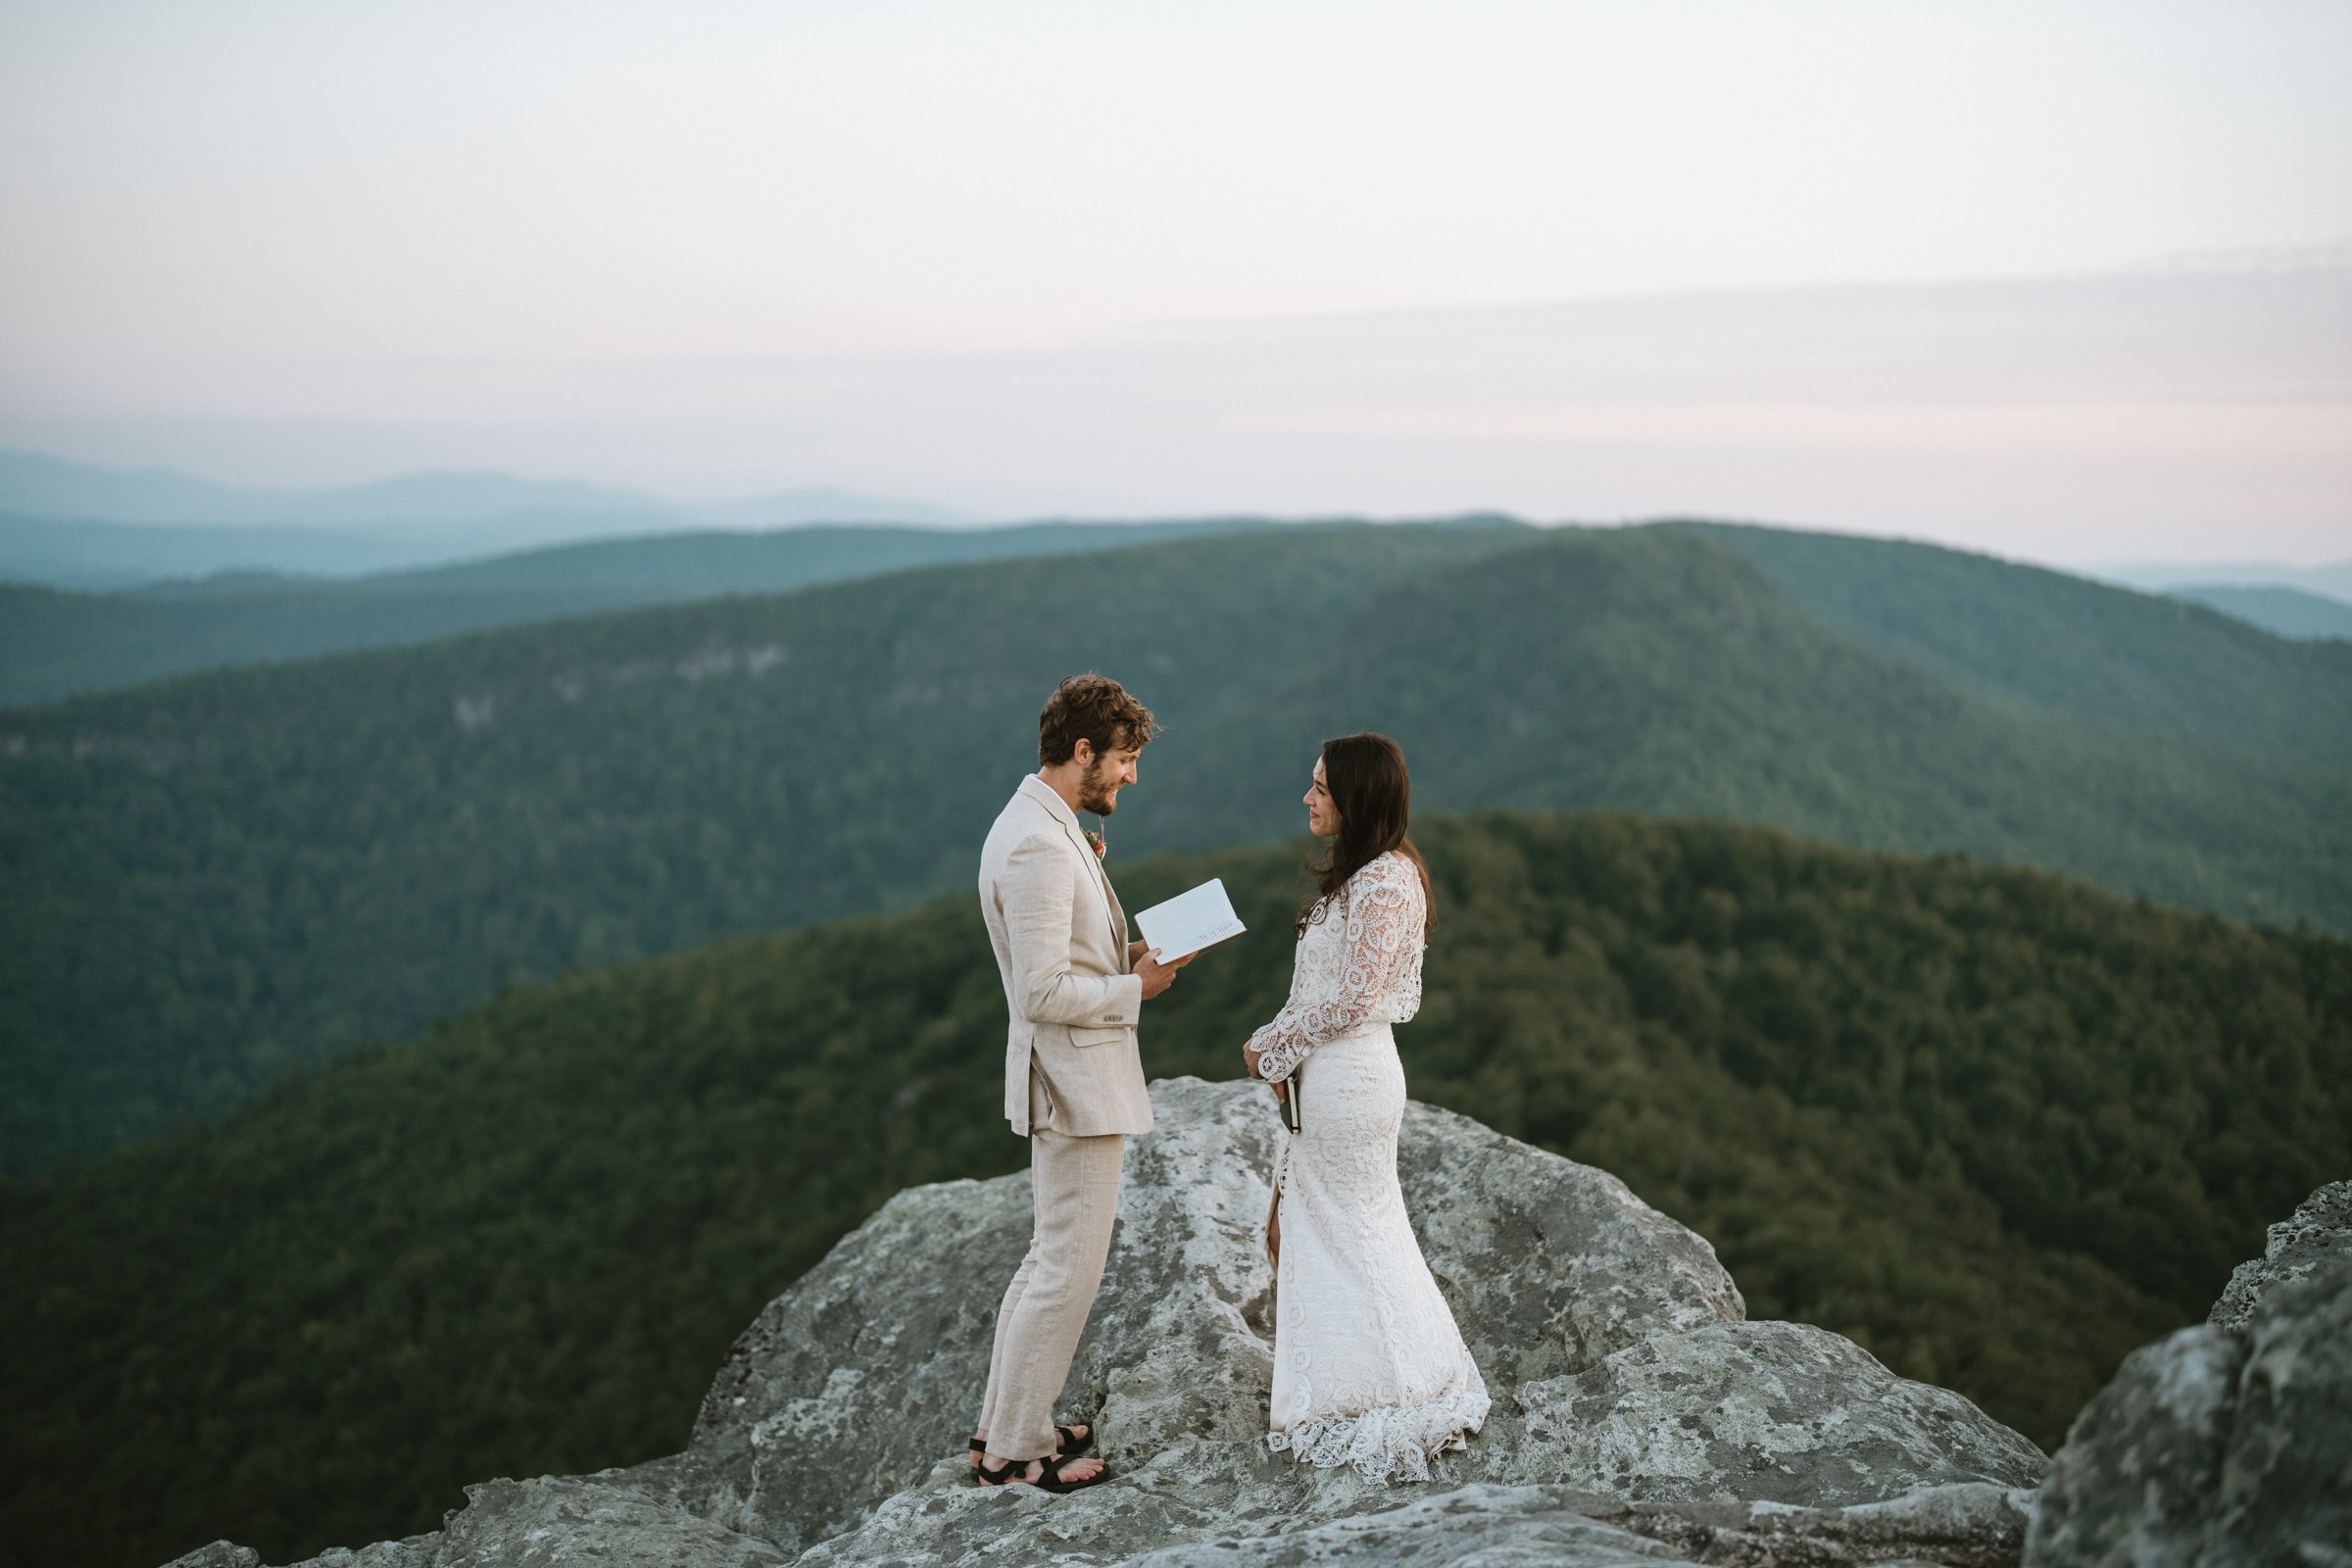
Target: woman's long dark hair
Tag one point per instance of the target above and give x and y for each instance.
(1373, 793)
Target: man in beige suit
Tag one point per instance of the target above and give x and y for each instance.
(1075, 988)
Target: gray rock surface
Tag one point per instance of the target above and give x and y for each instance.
(1638, 1416)
(220, 1554)
(2138, 1462)
(2218, 1445)
(610, 1519)
(551, 1521)
(1490, 1526)
(2285, 1488)
(2316, 1236)
(1549, 1267)
(412, 1551)
(1780, 1412)
(1963, 1526)
(1614, 1339)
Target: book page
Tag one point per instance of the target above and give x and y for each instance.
(1190, 921)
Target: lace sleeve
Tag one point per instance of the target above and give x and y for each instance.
(1384, 936)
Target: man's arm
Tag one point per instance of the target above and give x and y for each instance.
(1036, 893)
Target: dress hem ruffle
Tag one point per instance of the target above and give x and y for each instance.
(1391, 1441)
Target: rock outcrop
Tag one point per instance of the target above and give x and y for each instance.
(2224, 1445)
(1638, 1416)
(2316, 1236)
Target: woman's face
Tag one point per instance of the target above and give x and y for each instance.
(1322, 817)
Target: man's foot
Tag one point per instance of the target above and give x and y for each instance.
(1052, 1473)
(1074, 1438)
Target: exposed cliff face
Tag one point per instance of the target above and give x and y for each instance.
(1638, 1416)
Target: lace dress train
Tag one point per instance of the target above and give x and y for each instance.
(1369, 1366)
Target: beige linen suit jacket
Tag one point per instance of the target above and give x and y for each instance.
(1072, 1060)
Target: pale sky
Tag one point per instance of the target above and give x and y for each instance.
(1573, 260)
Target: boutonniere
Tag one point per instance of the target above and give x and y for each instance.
(1094, 842)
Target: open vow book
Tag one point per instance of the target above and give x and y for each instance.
(1190, 921)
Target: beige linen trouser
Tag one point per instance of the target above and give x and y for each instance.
(1074, 1182)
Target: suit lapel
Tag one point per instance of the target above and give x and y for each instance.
(1111, 900)
(1118, 916)
(1054, 807)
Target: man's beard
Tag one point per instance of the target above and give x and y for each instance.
(1091, 796)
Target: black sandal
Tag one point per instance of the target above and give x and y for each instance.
(1048, 1474)
(1066, 1441)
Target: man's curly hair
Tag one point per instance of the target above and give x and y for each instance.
(1094, 708)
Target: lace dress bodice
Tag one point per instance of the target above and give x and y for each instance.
(1358, 963)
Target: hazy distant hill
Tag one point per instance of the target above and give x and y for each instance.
(55, 643)
(219, 876)
(98, 557)
(1997, 1125)
(2288, 612)
(32, 484)
(2163, 577)
(76, 525)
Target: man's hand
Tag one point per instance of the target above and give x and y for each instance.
(1157, 976)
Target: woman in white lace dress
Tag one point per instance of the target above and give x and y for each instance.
(1369, 1369)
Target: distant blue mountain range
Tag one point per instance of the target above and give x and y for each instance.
(2195, 578)
(75, 525)
(2288, 612)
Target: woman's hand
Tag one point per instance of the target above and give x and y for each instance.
(1249, 1064)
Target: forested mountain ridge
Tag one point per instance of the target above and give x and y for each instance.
(2067, 645)
(233, 871)
(57, 643)
(1997, 1125)
(228, 873)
